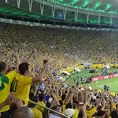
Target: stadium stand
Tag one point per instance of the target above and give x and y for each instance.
(95, 47)
(48, 97)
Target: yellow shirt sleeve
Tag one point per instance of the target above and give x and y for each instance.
(63, 108)
(37, 113)
(11, 75)
(39, 107)
(26, 80)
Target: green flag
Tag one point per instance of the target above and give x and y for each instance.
(3, 80)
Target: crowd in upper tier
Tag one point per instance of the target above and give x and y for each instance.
(62, 45)
(23, 78)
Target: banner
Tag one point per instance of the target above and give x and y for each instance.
(104, 77)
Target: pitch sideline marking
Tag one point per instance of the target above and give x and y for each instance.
(101, 86)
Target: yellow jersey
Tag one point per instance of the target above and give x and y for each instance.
(91, 112)
(37, 113)
(21, 87)
(75, 115)
(39, 107)
(63, 108)
(5, 92)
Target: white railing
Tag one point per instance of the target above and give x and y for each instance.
(60, 114)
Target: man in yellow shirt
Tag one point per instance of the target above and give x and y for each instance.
(91, 110)
(36, 112)
(40, 102)
(5, 82)
(23, 81)
(76, 113)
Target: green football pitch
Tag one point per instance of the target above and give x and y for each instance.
(112, 83)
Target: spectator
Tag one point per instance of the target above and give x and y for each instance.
(64, 48)
(24, 80)
(114, 113)
(23, 112)
(37, 113)
(41, 102)
(5, 82)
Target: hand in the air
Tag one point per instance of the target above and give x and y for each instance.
(46, 64)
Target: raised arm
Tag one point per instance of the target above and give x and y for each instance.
(84, 112)
(17, 60)
(30, 56)
(69, 97)
(103, 103)
(40, 76)
(55, 98)
(83, 108)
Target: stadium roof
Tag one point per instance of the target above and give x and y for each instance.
(109, 6)
(97, 12)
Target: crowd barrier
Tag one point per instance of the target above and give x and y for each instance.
(60, 114)
(104, 77)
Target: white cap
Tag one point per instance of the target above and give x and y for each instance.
(69, 112)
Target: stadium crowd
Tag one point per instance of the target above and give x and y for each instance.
(59, 44)
(25, 82)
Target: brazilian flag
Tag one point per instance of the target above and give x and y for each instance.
(3, 80)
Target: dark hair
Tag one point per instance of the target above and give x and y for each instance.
(61, 102)
(2, 66)
(23, 67)
(99, 108)
(41, 97)
(69, 105)
(100, 113)
(63, 96)
(54, 108)
(74, 105)
(31, 95)
(34, 99)
(117, 105)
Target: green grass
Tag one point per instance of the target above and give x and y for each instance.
(112, 83)
(83, 74)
